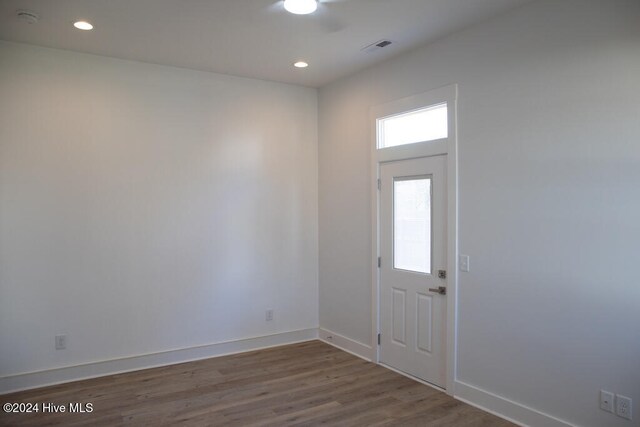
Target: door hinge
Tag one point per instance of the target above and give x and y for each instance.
(379, 262)
(378, 339)
(379, 185)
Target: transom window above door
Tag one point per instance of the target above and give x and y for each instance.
(422, 125)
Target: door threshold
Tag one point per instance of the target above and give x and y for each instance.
(421, 381)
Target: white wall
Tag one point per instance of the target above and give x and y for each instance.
(146, 208)
(549, 131)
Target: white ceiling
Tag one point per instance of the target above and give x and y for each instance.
(250, 38)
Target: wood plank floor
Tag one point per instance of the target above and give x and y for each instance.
(303, 384)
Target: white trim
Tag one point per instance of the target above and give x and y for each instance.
(448, 146)
(452, 241)
(18, 382)
(356, 348)
(504, 408)
(436, 147)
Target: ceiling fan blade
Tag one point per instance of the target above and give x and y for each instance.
(344, 1)
(275, 6)
(327, 20)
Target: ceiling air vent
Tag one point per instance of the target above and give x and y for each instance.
(376, 46)
(27, 16)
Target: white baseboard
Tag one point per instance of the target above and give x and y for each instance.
(347, 344)
(487, 401)
(505, 408)
(18, 382)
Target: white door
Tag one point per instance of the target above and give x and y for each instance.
(413, 236)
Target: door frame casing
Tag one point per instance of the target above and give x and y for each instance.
(446, 146)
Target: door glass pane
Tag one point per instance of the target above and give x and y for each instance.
(427, 124)
(412, 224)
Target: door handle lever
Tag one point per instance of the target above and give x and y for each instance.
(442, 290)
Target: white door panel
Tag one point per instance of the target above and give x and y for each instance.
(413, 230)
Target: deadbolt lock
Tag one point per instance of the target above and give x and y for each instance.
(442, 274)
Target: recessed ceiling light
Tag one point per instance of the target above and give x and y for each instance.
(301, 64)
(83, 25)
(301, 7)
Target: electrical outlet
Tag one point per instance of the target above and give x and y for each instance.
(61, 342)
(463, 262)
(623, 406)
(606, 401)
(269, 315)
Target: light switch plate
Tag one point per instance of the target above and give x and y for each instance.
(463, 262)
